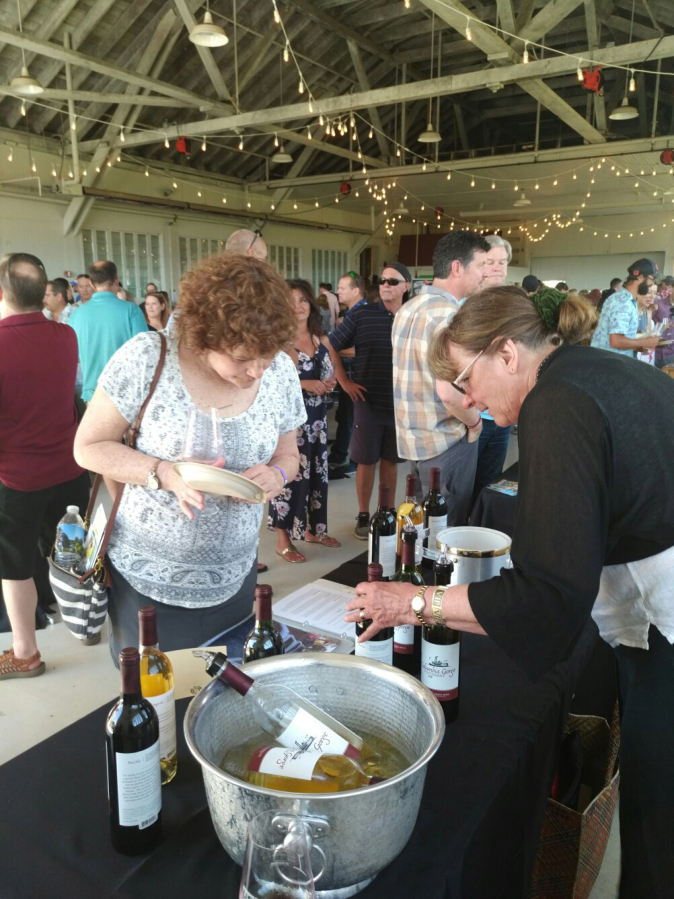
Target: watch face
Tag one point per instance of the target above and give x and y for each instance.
(418, 604)
(152, 482)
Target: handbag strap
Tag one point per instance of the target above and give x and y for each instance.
(130, 438)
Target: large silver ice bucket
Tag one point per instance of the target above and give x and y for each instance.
(478, 553)
(360, 831)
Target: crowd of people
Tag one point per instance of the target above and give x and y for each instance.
(437, 379)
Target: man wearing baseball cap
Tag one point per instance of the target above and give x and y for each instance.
(619, 320)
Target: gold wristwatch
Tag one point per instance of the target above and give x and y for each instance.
(418, 605)
(436, 605)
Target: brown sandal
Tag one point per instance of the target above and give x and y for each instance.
(290, 548)
(11, 666)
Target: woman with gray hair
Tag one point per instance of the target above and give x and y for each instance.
(594, 532)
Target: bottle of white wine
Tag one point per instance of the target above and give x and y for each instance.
(406, 637)
(134, 771)
(156, 681)
(294, 722)
(379, 647)
(410, 508)
(296, 770)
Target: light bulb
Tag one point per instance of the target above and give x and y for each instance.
(198, 193)
(633, 85)
(166, 143)
(536, 186)
(449, 176)
(203, 145)
(275, 140)
(23, 108)
(122, 136)
(554, 183)
(357, 194)
(286, 54)
(294, 205)
(321, 120)
(119, 158)
(364, 170)
(516, 187)
(472, 183)
(175, 185)
(370, 134)
(33, 167)
(300, 86)
(108, 163)
(398, 152)
(147, 172)
(336, 199)
(277, 17)
(423, 167)
(311, 105)
(70, 174)
(308, 133)
(84, 173)
(53, 171)
(493, 186)
(332, 131)
(241, 144)
(579, 72)
(248, 204)
(98, 169)
(575, 177)
(10, 155)
(469, 34)
(316, 204)
(407, 4)
(73, 124)
(525, 55)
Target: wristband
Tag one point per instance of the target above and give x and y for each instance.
(438, 595)
(283, 474)
(472, 427)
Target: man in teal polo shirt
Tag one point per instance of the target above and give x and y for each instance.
(103, 324)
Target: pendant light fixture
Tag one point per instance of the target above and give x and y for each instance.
(280, 156)
(24, 84)
(624, 111)
(430, 135)
(208, 34)
(522, 201)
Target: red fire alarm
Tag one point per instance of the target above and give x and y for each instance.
(345, 188)
(593, 80)
(183, 146)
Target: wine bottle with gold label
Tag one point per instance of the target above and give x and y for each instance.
(156, 680)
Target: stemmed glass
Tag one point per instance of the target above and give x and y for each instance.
(202, 441)
(277, 863)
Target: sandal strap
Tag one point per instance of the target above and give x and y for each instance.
(10, 662)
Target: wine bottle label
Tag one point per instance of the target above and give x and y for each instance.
(308, 733)
(436, 523)
(379, 650)
(284, 762)
(165, 707)
(139, 786)
(440, 669)
(387, 554)
(403, 639)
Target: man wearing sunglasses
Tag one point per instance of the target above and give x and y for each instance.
(367, 328)
(430, 433)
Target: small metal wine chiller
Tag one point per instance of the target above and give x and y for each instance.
(360, 831)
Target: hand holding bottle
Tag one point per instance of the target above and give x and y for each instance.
(386, 603)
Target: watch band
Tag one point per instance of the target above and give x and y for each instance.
(152, 473)
(436, 605)
(420, 595)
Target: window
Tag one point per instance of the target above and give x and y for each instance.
(286, 261)
(138, 257)
(192, 249)
(328, 266)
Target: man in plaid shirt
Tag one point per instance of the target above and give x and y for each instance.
(430, 434)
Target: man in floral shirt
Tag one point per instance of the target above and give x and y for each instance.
(619, 319)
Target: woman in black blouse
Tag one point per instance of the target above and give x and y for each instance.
(594, 531)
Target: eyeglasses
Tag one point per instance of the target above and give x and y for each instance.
(257, 234)
(392, 282)
(456, 383)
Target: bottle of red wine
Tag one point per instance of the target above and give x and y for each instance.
(443, 568)
(382, 539)
(440, 663)
(407, 637)
(134, 764)
(379, 647)
(435, 518)
(264, 640)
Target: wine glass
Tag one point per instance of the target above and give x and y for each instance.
(202, 441)
(277, 862)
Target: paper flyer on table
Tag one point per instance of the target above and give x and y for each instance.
(321, 604)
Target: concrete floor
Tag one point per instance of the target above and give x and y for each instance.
(80, 678)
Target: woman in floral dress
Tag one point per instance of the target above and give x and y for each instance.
(300, 511)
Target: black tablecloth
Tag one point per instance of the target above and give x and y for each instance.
(475, 838)
(496, 510)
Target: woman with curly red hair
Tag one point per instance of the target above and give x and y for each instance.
(224, 358)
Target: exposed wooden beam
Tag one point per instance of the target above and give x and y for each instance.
(554, 12)
(506, 15)
(524, 14)
(456, 14)
(413, 90)
(625, 26)
(336, 26)
(95, 64)
(364, 82)
(206, 55)
(461, 126)
(52, 93)
(593, 41)
(256, 60)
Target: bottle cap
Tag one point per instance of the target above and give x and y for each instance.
(435, 478)
(263, 595)
(375, 571)
(408, 548)
(237, 679)
(73, 510)
(129, 663)
(147, 621)
(411, 485)
(384, 494)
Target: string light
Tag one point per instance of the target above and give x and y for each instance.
(579, 71)
(472, 182)
(166, 141)
(469, 35)
(10, 155)
(311, 105)
(241, 144)
(175, 185)
(84, 173)
(525, 55)
(275, 139)
(309, 133)
(286, 54)
(53, 171)
(277, 17)
(122, 136)
(449, 176)
(321, 120)
(198, 193)
(33, 167)
(23, 108)
(203, 145)
(633, 85)
(70, 174)
(300, 87)
(493, 186)
(147, 172)
(73, 124)
(370, 134)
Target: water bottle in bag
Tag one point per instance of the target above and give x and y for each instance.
(70, 537)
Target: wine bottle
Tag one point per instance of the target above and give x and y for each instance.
(379, 647)
(264, 640)
(294, 722)
(435, 511)
(156, 683)
(296, 770)
(443, 568)
(410, 508)
(134, 768)
(406, 637)
(382, 537)
(440, 663)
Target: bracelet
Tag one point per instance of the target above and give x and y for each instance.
(283, 474)
(436, 605)
(420, 594)
(472, 427)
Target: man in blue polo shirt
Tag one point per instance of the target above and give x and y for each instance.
(103, 324)
(619, 320)
(368, 329)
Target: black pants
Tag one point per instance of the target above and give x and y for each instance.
(646, 685)
(339, 451)
(178, 628)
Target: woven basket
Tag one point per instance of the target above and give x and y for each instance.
(572, 843)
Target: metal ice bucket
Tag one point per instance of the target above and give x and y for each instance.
(358, 832)
(477, 553)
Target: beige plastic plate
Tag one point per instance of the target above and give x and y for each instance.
(219, 481)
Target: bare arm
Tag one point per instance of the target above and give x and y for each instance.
(286, 456)
(640, 344)
(389, 604)
(355, 391)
